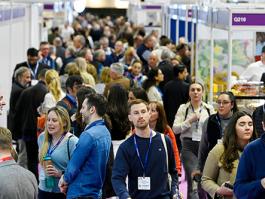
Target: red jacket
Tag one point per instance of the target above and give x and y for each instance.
(171, 135)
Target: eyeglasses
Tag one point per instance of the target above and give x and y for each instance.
(223, 103)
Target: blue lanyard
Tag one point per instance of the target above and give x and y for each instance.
(197, 123)
(34, 73)
(51, 149)
(95, 123)
(144, 166)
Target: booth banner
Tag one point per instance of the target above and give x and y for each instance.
(248, 19)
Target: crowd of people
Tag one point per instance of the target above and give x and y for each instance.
(102, 101)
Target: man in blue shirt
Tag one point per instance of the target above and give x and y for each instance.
(69, 102)
(86, 170)
(146, 158)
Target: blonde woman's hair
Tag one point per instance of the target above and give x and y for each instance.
(53, 82)
(72, 69)
(82, 65)
(64, 120)
(91, 69)
(129, 51)
(105, 75)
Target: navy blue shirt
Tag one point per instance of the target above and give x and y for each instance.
(251, 170)
(127, 163)
(143, 52)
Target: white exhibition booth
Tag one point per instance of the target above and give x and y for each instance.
(223, 38)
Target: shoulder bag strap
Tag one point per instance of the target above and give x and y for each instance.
(165, 146)
(68, 147)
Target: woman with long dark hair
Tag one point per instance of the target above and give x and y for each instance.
(117, 110)
(213, 128)
(137, 93)
(221, 165)
(150, 85)
(158, 123)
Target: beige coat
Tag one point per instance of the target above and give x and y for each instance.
(214, 174)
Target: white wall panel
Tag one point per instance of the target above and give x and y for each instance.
(16, 36)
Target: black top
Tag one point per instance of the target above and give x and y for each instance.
(41, 66)
(176, 92)
(16, 91)
(26, 110)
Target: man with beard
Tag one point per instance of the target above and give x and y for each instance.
(22, 81)
(85, 173)
(26, 113)
(146, 158)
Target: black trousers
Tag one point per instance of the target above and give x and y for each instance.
(32, 156)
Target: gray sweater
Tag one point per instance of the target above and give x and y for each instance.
(17, 182)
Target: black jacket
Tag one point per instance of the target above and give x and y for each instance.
(26, 109)
(41, 66)
(258, 119)
(167, 69)
(214, 131)
(16, 90)
(176, 92)
(209, 139)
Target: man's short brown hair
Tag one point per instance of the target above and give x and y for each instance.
(136, 101)
(5, 139)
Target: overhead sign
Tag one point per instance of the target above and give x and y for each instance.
(248, 19)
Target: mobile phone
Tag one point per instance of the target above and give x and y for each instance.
(228, 185)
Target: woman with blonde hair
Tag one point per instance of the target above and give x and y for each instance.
(87, 77)
(129, 57)
(55, 93)
(56, 144)
(91, 69)
(70, 69)
(105, 78)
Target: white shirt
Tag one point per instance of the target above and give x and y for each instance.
(66, 33)
(154, 95)
(49, 101)
(253, 72)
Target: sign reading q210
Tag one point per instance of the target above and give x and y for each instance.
(239, 19)
(248, 19)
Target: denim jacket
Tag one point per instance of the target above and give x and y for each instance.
(86, 170)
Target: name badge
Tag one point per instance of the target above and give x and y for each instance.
(144, 183)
